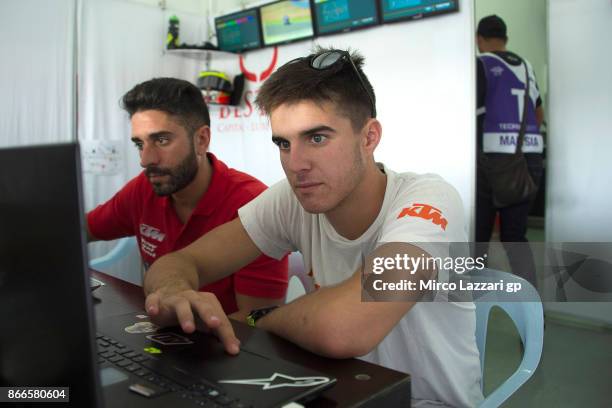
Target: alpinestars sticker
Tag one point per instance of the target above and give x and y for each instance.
(280, 380)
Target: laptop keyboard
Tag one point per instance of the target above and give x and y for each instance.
(158, 381)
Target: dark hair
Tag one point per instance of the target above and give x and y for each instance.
(179, 98)
(296, 81)
(492, 27)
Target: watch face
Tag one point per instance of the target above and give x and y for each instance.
(256, 314)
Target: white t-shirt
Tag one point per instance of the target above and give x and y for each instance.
(435, 341)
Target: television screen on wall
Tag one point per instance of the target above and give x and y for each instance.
(398, 10)
(334, 16)
(239, 31)
(286, 21)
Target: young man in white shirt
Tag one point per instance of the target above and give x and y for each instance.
(337, 207)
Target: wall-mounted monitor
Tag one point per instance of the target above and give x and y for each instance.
(239, 31)
(334, 16)
(397, 10)
(286, 21)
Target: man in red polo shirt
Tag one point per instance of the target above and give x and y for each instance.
(184, 192)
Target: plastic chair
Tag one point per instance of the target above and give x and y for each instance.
(121, 249)
(525, 310)
(299, 283)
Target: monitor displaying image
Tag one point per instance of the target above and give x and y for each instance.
(238, 31)
(396, 10)
(285, 21)
(334, 16)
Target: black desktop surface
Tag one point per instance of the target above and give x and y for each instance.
(359, 384)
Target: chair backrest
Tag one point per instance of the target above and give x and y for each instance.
(120, 250)
(525, 310)
(299, 283)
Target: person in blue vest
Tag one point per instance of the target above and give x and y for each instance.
(501, 83)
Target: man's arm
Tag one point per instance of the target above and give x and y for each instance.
(171, 283)
(539, 116)
(90, 237)
(334, 322)
(481, 86)
(261, 283)
(248, 303)
(117, 217)
(213, 256)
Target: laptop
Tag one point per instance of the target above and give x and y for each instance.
(48, 334)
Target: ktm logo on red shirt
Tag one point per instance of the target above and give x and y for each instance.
(427, 212)
(151, 232)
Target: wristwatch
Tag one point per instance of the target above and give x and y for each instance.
(257, 314)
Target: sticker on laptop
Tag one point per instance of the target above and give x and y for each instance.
(152, 350)
(278, 380)
(169, 339)
(141, 327)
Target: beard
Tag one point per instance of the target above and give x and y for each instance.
(179, 176)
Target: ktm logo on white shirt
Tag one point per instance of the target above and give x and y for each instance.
(151, 232)
(427, 212)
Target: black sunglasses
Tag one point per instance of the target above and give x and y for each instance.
(336, 58)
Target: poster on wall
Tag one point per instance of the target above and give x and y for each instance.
(102, 157)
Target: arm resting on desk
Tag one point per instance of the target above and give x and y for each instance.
(247, 303)
(334, 322)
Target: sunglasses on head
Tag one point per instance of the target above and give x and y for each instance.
(337, 58)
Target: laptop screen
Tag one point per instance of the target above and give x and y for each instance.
(46, 317)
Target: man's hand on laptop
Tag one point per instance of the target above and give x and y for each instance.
(169, 307)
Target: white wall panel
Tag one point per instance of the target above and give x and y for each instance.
(580, 131)
(37, 72)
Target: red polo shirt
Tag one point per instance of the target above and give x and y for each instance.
(137, 210)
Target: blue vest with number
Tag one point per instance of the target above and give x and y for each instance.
(503, 110)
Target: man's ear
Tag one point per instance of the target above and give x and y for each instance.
(480, 41)
(201, 140)
(372, 135)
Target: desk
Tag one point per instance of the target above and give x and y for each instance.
(378, 386)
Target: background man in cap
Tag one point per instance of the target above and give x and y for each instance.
(501, 82)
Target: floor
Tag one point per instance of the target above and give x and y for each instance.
(575, 369)
(576, 365)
